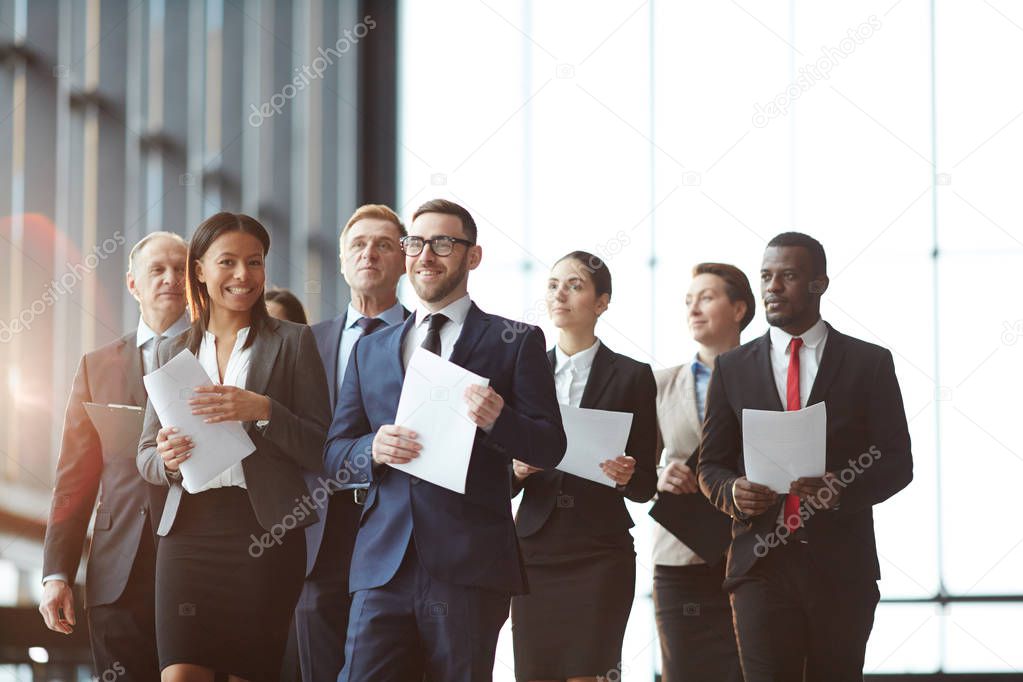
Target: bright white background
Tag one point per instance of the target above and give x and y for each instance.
(627, 129)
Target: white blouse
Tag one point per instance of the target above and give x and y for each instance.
(571, 372)
(235, 374)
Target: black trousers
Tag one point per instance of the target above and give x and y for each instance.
(694, 622)
(794, 625)
(123, 634)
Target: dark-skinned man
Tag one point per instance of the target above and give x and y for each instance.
(802, 568)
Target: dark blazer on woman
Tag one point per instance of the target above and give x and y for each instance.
(620, 384)
(285, 366)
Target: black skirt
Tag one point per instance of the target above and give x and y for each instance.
(572, 622)
(225, 590)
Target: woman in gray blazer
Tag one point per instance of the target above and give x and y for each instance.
(230, 563)
(719, 305)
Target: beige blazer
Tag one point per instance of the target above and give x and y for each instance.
(678, 436)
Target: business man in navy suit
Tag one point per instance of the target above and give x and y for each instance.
(372, 263)
(433, 570)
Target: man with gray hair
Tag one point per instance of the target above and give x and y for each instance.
(120, 573)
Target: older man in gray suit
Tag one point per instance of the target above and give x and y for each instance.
(120, 569)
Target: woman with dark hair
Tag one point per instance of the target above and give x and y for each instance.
(574, 533)
(284, 305)
(230, 563)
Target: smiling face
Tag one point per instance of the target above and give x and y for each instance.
(712, 317)
(157, 279)
(371, 257)
(440, 280)
(233, 271)
(790, 289)
(572, 300)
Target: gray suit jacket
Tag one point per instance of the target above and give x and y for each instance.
(285, 366)
(86, 469)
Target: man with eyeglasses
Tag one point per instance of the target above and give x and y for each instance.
(372, 264)
(433, 570)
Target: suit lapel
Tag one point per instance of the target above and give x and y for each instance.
(834, 351)
(264, 355)
(688, 397)
(131, 364)
(329, 346)
(397, 342)
(476, 322)
(767, 385)
(601, 372)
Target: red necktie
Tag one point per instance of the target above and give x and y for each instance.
(792, 402)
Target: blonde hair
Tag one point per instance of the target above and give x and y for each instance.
(378, 211)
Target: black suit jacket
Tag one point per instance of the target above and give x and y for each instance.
(616, 383)
(286, 367)
(856, 380)
(111, 374)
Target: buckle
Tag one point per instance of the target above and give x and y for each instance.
(359, 495)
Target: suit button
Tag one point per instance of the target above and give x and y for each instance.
(142, 510)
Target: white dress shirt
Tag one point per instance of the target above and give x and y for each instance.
(456, 312)
(571, 372)
(235, 374)
(145, 338)
(810, 354)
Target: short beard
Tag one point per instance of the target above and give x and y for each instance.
(444, 288)
(780, 320)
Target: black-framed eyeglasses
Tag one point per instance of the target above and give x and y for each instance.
(441, 246)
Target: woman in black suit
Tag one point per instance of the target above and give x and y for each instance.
(230, 564)
(574, 533)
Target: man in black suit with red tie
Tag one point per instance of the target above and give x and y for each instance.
(802, 568)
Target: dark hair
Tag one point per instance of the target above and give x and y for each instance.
(818, 260)
(293, 310)
(195, 291)
(737, 286)
(450, 208)
(596, 267)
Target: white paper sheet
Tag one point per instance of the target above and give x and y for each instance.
(779, 447)
(593, 437)
(217, 447)
(433, 405)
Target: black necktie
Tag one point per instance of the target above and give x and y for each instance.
(432, 340)
(369, 324)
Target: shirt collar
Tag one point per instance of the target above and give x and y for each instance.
(698, 367)
(144, 333)
(391, 316)
(812, 337)
(239, 339)
(456, 311)
(581, 361)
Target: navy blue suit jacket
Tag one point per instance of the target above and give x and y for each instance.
(328, 343)
(462, 539)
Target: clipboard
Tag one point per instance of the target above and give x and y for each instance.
(696, 522)
(119, 427)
